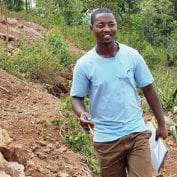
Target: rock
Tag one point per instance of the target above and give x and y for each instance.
(3, 174)
(15, 169)
(63, 174)
(4, 137)
(62, 149)
(7, 37)
(33, 169)
(11, 169)
(3, 162)
(175, 110)
(12, 21)
(15, 153)
(20, 26)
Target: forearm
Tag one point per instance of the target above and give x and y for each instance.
(154, 103)
(78, 105)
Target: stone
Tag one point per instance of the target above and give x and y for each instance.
(15, 169)
(4, 137)
(3, 174)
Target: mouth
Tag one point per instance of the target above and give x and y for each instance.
(107, 36)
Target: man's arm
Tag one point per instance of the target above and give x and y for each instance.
(154, 102)
(78, 107)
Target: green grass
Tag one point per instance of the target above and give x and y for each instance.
(77, 139)
(166, 86)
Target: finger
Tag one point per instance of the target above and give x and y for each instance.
(84, 123)
(92, 124)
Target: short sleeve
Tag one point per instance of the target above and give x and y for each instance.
(143, 76)
(80, 82)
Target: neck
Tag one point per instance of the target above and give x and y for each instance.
(107, 50)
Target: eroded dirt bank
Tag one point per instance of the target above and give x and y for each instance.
(26, 112)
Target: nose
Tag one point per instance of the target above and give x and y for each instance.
(106, 29)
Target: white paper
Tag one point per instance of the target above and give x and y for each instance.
(158, 149)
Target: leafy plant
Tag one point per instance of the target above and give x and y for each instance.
(16, 5)
(57, 121)
(168, 92)
(152, 56)
(42, 60)
(158, 21)
(171, 59)
(80, 35)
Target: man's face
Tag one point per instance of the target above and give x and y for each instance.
(104, 27)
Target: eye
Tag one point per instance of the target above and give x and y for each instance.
(112, 24)
(100, 26)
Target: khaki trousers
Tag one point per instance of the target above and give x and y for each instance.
(128, 156)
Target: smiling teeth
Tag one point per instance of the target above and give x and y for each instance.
(107, 36)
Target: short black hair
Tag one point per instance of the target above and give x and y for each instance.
(99, 11)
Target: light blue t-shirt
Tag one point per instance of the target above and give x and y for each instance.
(111, 83)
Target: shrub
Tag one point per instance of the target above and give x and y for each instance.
(152, 56)
(166, 84)
(45, 58)
(171, 50)
(80, 35)
(158, 21)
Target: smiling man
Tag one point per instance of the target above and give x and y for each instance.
(111, 73)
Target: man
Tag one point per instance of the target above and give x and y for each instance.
(110, 73)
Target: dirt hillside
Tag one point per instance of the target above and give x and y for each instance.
(26, 111)
(20, 29)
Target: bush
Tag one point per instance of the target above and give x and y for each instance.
(166, 84)
(80, 35)
(45, 58)
(158, 21)
(152, 56)
(14, 5)
(171, 50)
(131, 38)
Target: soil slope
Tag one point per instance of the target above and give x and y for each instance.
(26, 111)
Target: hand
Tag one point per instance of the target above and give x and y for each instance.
(161, 132)
(85, 121)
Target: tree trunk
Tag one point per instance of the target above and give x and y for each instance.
(6, 22)
(26, 4)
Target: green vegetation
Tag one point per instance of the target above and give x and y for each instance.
(44, 59)
(166, 86)
(77, 139)
(13, 5)
(147, 25)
